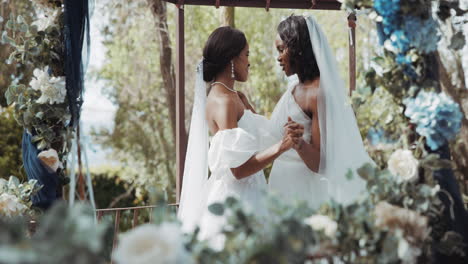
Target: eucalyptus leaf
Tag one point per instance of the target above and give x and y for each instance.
(40, 115)
(10, 25)
(458, 41)
(42, 145)
(7, 40)
(216, 209)
(24, 28)
(20, 19)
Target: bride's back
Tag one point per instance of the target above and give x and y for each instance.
(222, 109)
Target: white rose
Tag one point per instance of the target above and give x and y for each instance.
(40, 78)
(402, 163)
(45, 20)
(50, 159)
(324, 223)
(52, 89)
(407, 253)
(10, 205)
(149, 244)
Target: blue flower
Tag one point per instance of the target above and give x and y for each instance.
(403, 59)
(436, 116)
(389, 11)
(422, 34)
(378, 135)
(400, 41)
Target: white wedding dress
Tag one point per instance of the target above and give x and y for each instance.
(229, 149)
(290, 177)
(341, 147)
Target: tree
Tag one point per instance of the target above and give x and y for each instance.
(10, 146)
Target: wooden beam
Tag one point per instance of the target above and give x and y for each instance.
(352, 52)
(293, 4)
(181, 141)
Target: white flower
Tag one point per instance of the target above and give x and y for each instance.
(10, 205)
(404, 164)
(50, 159)
(45, 20)
(149, 244)
(322, 222)
(52, 88)
(407, 253)
(3, 184)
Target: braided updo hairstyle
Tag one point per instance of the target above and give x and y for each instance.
(223, 45)
(294, 33)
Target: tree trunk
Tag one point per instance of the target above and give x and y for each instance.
(228, 16)
(159, 10)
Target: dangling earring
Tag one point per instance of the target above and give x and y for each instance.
(232, 71)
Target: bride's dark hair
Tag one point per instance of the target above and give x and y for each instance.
(223, 45)
(295, 35)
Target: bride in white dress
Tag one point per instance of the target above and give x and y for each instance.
(331, 144)
(235, 156)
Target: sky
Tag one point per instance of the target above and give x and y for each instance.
(97, 110)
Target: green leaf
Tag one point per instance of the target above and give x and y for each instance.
(42, 145)
(24, 28)
(20, 20)
(36, 139)
(7, 40)
(367, 171)
(34, 51)
(10, 25)
(230, 201)
(458, 41)
(349, 175)
(40, 115)
(216, 209)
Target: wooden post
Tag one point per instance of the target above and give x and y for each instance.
(352, 52)
(181, 141)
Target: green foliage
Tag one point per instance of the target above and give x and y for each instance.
(10, 145)
(9, 70)
(109, 185)
(64, 235)
(23, 192)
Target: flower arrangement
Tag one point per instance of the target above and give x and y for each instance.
(437, 117)
(15, 197)
(40, 101)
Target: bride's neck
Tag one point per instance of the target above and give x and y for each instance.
(310, 83)
(226, 79)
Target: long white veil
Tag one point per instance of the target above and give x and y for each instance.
(341, 144)
(195, 178)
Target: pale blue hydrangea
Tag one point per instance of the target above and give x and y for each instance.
(421, 34)
(436, 116)
(389, 11)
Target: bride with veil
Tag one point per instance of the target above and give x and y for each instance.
(332, 145)
(236, 154)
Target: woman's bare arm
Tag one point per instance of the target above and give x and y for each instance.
(226, 118)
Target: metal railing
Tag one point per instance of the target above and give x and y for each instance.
(117, 213)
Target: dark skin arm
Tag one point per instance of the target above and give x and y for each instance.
(309, 152)
(246, 102)
(226, 117)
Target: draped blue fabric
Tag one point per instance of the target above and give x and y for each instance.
(35, 170)
(77, 41)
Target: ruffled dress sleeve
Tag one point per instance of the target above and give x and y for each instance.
(231, 148)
